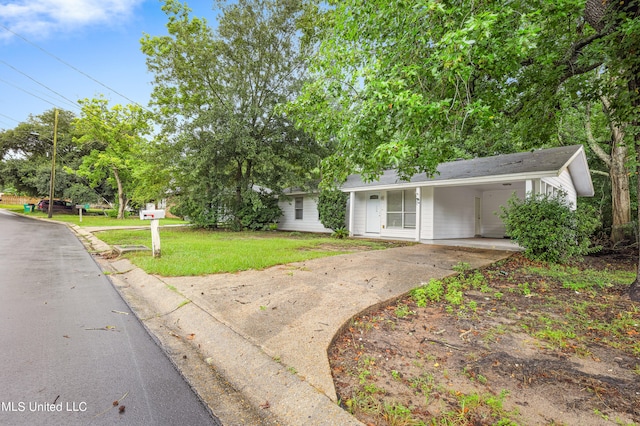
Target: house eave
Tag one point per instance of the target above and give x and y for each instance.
(514, 177)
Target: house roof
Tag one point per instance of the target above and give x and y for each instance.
(500, 168)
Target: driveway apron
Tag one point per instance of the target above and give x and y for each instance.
(292, 312)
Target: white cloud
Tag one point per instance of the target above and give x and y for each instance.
(40, 18)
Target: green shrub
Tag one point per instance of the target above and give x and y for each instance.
(548, 229)
(258, 211)
(340, 233)
(332, 207)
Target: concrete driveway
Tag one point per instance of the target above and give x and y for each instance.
(293, 311)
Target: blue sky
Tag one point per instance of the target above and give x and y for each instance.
(100, 38)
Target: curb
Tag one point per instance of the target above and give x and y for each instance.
(276, 395)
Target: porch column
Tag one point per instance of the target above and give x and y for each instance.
(532, 187)
(352, 204)
(418, 214)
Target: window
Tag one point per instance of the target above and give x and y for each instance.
(298, 207)
(401, 209)
(549, 189)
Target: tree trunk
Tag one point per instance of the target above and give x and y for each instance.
(121, 199)
(594, 11)
(634, 86)
(634, 290)
(616, 165)
(620, 198)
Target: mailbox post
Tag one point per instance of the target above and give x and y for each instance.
(154, 216)
(79, 208)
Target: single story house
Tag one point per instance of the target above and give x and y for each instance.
(462, 200)
(300, 211)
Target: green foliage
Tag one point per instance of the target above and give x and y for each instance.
(340, 233)
(409, 84)
(432, 291)
(258, 211)
(548, 229)
(588, 280)
(217, 88)
(406, 85)
(332, 207)
(461, 267)
(29, 173)
(114, 137)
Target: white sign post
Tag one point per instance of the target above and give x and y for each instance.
(154, 216)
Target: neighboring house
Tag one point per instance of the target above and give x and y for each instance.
(462, 200)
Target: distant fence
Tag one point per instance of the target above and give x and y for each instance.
(17, 199)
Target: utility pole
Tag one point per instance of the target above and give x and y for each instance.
(53, 162)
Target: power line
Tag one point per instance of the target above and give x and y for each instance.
(37, 82)
(75, 105)
(71, 66)
(10, 118)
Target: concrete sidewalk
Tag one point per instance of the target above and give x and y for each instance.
(267, 332)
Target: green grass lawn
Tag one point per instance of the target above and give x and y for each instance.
(188, 251)
(92, 218)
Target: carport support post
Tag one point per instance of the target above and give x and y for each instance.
(155, 237)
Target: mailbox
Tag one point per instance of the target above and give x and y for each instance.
(151, 214)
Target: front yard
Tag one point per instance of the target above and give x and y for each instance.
(188, 251)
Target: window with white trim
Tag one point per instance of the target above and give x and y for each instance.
(549, 189)
(298, 207)
(401, 209)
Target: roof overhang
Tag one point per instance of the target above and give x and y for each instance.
(510, 178)
(576, 165)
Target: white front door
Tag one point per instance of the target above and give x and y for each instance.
(373, 213)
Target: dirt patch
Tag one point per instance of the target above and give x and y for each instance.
(514, 343)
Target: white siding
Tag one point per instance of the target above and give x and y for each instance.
(492, 225)
(565, 183)
(310, 221)
(360, 213)
(454, 212)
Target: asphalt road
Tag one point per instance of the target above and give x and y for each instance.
(71, 351)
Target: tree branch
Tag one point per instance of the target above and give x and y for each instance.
(593, 144)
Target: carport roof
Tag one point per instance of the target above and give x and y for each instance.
(500, 168)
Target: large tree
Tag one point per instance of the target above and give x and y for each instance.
(405, 84)
(115, 138)
(26, 152)
(217, 93)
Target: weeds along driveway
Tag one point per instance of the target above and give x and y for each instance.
(293, 311)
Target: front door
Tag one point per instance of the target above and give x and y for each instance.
(373, 213)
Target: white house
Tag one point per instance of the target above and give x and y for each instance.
(300, 212)
(462, 200)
